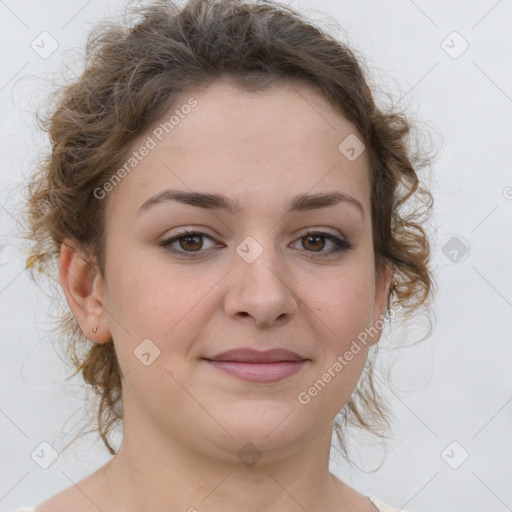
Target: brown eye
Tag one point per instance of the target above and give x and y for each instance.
(191, 242)
(188, 243)
(313, 242)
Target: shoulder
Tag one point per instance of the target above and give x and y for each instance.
(384, 507)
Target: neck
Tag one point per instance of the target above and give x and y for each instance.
(150, 472)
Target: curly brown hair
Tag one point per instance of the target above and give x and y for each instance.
(135, 70)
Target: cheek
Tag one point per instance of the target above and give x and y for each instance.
(344, 312)
(343, 300)
(146, 302)
(344, 309)
(156, 301)
(154, 321)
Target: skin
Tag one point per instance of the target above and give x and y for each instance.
(184, 419)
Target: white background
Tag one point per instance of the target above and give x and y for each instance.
(457, 386)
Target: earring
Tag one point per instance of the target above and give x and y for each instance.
(95, 330)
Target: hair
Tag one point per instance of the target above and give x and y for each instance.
(137, 68)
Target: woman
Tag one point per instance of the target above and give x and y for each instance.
(225, 203)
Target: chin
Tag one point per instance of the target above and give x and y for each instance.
(272, 427)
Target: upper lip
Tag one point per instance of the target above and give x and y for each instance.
(249, 355)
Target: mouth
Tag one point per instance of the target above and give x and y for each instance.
(257, 366)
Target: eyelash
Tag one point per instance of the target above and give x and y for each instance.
(341, 245)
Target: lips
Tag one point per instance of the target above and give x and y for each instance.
(256, 366)
(248, 355)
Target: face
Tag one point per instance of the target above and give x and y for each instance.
(283, 272)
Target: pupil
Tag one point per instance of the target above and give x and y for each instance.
(188, 239)
(317, 238)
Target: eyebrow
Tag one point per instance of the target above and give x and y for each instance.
(299, 203)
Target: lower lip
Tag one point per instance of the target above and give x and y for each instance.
(259, 372)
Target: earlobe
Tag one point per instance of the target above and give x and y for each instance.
(82, 284)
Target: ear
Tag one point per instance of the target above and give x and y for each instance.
(84, 289)
(382, 284)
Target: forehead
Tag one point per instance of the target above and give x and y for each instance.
(279, 115)
(269, 144)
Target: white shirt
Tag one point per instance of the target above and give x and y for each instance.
(383, 507)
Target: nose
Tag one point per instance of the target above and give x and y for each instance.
(258, 292)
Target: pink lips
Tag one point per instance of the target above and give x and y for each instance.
(256, 366)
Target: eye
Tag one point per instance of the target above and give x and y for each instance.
(315, 242)
(190, 242)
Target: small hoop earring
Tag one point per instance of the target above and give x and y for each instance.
(95, 330)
